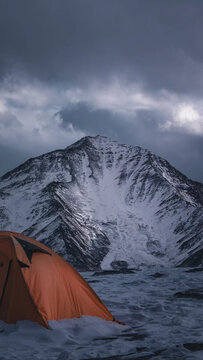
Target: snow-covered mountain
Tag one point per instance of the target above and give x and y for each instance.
(98, 203)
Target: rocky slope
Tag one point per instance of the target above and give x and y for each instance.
(98, 202)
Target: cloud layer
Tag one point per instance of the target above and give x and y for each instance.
(33, 109)
(36, 117)
(130, 69)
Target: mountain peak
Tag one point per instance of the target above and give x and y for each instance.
(97, 141)
(98, 202)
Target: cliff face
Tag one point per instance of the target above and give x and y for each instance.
(98, 202)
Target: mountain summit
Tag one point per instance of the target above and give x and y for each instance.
(101, 204)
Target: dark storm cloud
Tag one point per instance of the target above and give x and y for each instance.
(92, 122)
(157, 41)
(55, 45)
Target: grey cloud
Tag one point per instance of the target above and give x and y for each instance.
(74, 43)
(92, 122)
(73, 40)
(8, 120)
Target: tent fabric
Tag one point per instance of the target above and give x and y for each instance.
(37, 284)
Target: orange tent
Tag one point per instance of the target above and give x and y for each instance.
(37, 284)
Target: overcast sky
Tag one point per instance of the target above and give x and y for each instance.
(128, 69)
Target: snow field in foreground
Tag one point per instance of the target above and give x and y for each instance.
(157, 323)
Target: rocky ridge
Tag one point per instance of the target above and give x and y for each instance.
(98, 202)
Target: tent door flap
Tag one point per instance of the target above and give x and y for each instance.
(5, 264)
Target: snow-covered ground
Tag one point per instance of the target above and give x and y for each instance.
(158, 324)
